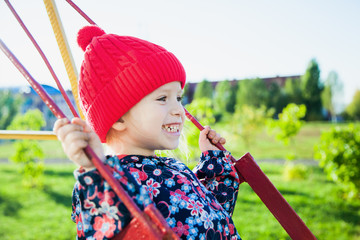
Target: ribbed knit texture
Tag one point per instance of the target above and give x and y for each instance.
(117, 72)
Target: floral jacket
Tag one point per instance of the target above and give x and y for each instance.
(196, 205)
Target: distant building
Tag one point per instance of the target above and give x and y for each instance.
(33, 101)
(188, 97)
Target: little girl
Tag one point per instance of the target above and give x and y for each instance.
(130, 92)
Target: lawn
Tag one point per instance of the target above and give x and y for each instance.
(45, 214)
(52, 149)
(316, 200)
(263, 147)
(36, 214)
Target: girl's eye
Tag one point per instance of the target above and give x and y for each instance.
(179, 99)
(162, 99)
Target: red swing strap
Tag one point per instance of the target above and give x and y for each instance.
(67, 100)
(149, 224)
(272, 198)
(249, 171)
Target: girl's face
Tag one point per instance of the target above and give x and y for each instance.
(156, 122)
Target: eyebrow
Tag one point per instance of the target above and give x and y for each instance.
(170, 89)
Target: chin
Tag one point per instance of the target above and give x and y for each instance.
(172, 147)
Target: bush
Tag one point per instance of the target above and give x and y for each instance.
(339, 155)
(288, 124)
(28, 153)
(248, 121)
(295, 171)
(353, 109)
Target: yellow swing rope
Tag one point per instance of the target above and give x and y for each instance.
(64, 49)
(35, 135)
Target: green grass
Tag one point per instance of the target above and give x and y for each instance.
(265, 146)
(52, 149)
(316, 200)
(35, 214)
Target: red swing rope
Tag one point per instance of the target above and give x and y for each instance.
(249, 171)
(81, 12)
(150, 223)
(153, 229)
(43, 57)
(104, 171)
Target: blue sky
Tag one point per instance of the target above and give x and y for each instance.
(215, 40)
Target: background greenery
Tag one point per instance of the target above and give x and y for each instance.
(239, 111)
(32, 213)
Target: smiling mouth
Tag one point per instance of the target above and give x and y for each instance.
(171, 128)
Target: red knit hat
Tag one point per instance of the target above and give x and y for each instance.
(117, 72)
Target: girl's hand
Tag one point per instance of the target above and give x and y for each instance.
(208, 138)
(74, 137)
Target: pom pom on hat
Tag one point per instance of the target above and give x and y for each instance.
(86, 34)
(117, 72)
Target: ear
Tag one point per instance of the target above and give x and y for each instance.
(119, 126)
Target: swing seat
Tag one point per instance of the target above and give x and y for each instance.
(136, 229)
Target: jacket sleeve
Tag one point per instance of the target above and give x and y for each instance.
(96, 209)
(216, 171)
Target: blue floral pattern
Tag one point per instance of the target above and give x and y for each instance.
(196, 204)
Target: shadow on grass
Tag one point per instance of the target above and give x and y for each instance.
(348, 213)
(9, 206)
(10, 171)
(294, 193)
(59, 173)
(58, 197)
(271, 173)
(338, 210)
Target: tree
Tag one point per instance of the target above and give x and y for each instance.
(248, 121)
(9, 106)
(28, 152)
(222, 97)
(252, 92)
(332, 95)
(232, 98)
(311, 91)
(285, 129)
(185, 95)
(353, 109)
(203, 89)
(293, 91)
(289, 122)
(277, 98)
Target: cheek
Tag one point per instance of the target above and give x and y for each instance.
(183, 113)
(149, 117)
(153, 119)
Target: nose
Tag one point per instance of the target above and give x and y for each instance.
(177, 109)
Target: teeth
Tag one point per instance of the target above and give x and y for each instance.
(171, 128)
